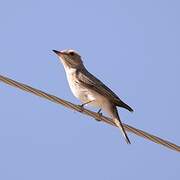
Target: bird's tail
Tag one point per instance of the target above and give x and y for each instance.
(118, 122)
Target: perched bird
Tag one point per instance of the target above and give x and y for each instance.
(89, 89)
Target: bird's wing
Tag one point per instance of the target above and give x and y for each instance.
(88, 80)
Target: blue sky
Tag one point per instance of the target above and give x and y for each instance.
(132, 46)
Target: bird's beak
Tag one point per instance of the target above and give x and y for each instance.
(62, 55)
(57, 52)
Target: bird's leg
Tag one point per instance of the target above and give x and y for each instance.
(82, 105)
(100, 114)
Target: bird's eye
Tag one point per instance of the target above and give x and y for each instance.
(71, 53)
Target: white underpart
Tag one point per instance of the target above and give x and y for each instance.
(86, 95)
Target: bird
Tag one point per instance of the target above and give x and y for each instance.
(89, 89)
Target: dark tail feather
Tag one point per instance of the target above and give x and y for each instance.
(120, 125)
(124, 105)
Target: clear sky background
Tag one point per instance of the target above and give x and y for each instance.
(132, 46)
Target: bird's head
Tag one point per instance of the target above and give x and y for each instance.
(69, 58)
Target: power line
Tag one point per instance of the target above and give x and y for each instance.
(80, 109)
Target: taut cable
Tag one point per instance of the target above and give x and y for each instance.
(75, 107)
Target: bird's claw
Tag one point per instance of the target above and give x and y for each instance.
(100, 114)
(81, 107)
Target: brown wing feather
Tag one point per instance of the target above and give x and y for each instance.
(90, 81)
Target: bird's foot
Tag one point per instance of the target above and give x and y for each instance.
(100, 114)
(81, 109)
(82, 105)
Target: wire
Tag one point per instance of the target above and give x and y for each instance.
(82, 110)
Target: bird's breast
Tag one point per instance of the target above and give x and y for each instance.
(78, 91)
(83, 93)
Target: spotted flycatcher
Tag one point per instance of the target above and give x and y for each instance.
(89, 89)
